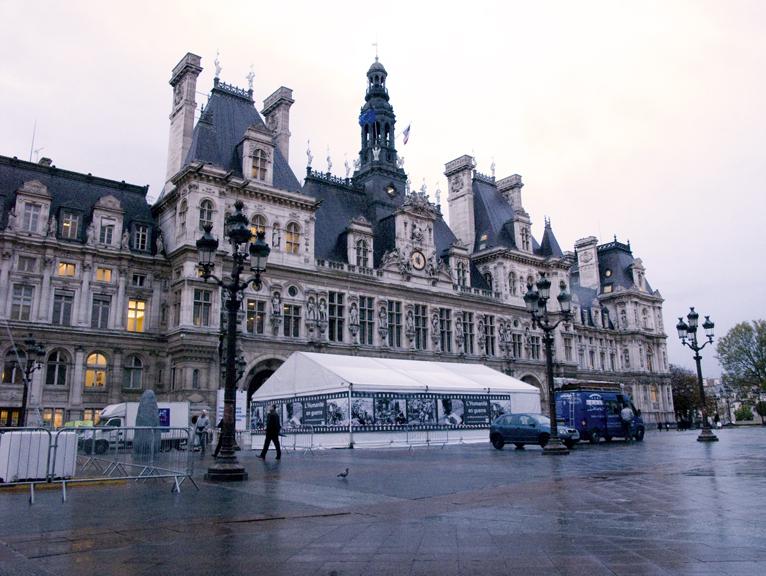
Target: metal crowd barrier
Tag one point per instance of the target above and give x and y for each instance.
(416, 436)
(301, 439)
(30, 456)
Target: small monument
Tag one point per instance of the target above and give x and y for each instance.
(146, 443)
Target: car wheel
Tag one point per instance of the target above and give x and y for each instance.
(542, 440)
(569, 444)
(607, 438)
(497, 441)
(594, 437)
(102, 446)
(639, 436)
(519, 445)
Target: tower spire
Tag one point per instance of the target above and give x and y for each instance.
(377, 121)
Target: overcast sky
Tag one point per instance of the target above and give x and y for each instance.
(641, 119)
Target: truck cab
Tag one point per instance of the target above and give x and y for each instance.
(594, 410)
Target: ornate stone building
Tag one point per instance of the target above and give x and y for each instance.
(360, 265)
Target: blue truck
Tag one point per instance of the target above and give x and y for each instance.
(594, 410)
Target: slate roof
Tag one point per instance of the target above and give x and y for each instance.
(74, 190)
(618, 258)
(218, 135)
(550, 246)
(493, 216)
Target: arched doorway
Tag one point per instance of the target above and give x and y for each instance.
(259, 374)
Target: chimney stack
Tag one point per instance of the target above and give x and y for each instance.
(184, 83)
(276, 112)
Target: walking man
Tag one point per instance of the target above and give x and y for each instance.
(203, 423)
(272, 433)
(626, 416)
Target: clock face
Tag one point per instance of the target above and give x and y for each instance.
(418, 260)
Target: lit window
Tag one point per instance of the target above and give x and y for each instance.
(258, 225)
(259, 165)
(608, 288)
(31, 216)
(53, 417)
(293, 240)
(141, 237)
(91, 415)
(205, 214)
(103, 274)
(95, 371)
(133, 373)
(70, 225)
(136, 313)
(66, 269)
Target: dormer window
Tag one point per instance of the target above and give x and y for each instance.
(362, 254)
(141, 237)
(106, 233)
(461, 274)
(260, 164)
(525, 243)
(31, 219)
(70, 225)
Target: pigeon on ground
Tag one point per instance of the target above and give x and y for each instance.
(343, 474)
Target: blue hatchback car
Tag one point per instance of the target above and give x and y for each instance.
(521, 429)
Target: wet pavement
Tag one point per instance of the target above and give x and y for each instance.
(668, 505)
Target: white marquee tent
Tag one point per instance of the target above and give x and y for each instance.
(337, 396)
(310, 373)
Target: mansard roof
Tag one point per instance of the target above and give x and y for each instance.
(618, 258)
(493, 216)
(221, 128)
(549, 245)
(80, 192)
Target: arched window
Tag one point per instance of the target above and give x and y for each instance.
(461, 275)
(195, 379)
(258, 225)
(13, 372)
(512, 283)
(293, 238)
(182, 210)
(133, 373)
(55, 369)
(205, 214)
(259, 165)
(95, 371)
(525, 239)
(362, 254)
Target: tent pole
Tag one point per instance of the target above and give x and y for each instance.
(350, 427)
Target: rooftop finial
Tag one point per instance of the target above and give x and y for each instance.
(329, 161)
(250, 76)
(438, 195)
(217, 63)
(492, 167)
(345, 164)
(547, 222)
(309, 156)
(376, 49)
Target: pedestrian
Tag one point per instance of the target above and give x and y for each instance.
(219, 427)
(717, 420)
(203, 423)
(626, 416)
(272, 433)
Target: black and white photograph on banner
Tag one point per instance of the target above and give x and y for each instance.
(256, 417)
(293, 416)
(361, 412)
(337, 412)
(451, 411)
(390, 411)
(421, 411)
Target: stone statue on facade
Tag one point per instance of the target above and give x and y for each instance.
(11, 221)
(409, 324)
(376, 153)
(383, 322)
(353, 315)
(435, 330)
(276, 304)
(160, 244)
(311, 309)
(459, 334)
(52, 227)
(90, 234)
(276, 236)
(322, 310)
(125, 242)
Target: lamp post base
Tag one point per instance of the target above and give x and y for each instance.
(706, 435)
(226, 472)
(555, 447)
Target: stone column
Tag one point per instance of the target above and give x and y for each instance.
(121, 312)
(155, 306)
(78, 378)
(82, 317)
(5, 269)
(43, 297)
(114, 381)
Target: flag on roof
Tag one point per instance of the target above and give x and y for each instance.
(406, 133)
(367, 117)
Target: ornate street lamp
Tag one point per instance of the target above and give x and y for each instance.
(36, 349)
(537, 306)
(237, 230)
(688, 335)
